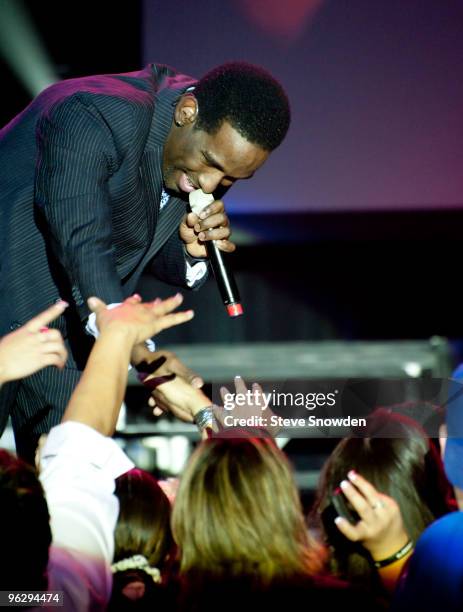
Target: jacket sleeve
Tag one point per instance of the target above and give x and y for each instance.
(170, 264)
(76, 157)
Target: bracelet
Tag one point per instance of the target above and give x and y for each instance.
(396, 556)
(205, 418)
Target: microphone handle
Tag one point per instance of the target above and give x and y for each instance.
(225, 281)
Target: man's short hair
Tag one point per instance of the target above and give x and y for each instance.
(249, 98)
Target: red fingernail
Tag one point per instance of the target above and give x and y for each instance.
(43, 330)
(352, 474)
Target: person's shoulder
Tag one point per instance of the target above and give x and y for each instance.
(167, 78)
(448, 526)
(445, 533)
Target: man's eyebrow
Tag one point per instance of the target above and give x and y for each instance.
(212, 161)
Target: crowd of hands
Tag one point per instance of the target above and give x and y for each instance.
(178, 390)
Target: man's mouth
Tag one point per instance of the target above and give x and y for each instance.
(185, 183)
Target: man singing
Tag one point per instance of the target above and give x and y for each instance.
(94, 182)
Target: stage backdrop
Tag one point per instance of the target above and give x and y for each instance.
(376, 89)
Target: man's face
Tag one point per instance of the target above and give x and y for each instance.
(194, 159)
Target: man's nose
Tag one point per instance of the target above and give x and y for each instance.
(210, 181)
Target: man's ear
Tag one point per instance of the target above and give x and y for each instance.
(186, 111)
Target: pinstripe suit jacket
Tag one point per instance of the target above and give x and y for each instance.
(80, 186)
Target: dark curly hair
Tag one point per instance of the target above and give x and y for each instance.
(249, 98)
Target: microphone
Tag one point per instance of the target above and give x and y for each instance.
(220, 267)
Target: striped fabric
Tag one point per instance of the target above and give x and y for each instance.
(80, 186)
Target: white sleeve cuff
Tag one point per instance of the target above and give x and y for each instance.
(195, 272)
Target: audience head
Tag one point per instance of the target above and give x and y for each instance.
(237, 514)
(399, 460)
(143, 540)
(26, 534)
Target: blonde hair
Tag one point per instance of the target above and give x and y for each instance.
(237, 513)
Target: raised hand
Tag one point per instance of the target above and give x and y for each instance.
(380, 529)
(141, 320)
(33, 346)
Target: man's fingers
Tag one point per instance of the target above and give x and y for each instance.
(95, 304)
(191, 220)
(217, 220)
(47, 316)
(217, 206)
(226, 246)
(219, 233)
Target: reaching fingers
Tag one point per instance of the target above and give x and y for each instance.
(175, 319)
(95, 304)
(47, 316)
(133, 299)
(196, 381)
(257, 392)
(164, 307)
(49, 335)
(224, 394)
(56, 358)
(240, 386)
(56, 347)
(175, 365)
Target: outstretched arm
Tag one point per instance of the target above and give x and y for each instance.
(97, 398)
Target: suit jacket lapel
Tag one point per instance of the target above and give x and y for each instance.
(167, 222)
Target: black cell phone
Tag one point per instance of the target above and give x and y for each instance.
(343, 507)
